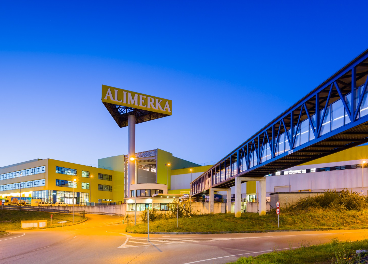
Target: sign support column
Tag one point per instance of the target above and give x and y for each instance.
(131, 152)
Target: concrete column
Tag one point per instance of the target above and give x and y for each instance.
(131, 152)
(238, 196)
(229, 200)
(212, 201)
(262, 198)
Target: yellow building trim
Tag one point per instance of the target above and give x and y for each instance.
(355, 153)
(179, 191)
(187, 170)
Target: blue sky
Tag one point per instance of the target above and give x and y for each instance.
(229, 67)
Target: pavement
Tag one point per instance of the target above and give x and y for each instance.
(102, 239)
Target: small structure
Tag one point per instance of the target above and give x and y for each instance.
(33, 224)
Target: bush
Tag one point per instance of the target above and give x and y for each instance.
(344, 200)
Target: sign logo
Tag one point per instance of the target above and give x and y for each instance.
(131, 99)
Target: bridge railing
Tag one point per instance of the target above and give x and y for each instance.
(339, 102)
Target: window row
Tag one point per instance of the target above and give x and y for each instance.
(312, 170)
(145, 192)
(22, 185)
(105, 177)
(67, 171)
(21, 173)
(102, 187)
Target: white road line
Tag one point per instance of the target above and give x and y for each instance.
(126, 241)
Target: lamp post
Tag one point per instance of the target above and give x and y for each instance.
(362, 174)
(90, 192)
(167, 175)
(74, 181)
(135, 191)
(190, 191)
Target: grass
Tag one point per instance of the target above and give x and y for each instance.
(318, 219)
(11, 219)
(334, 252)
(332, 210)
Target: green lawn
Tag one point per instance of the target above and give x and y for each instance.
(318, 219)
(11, 219)
(334, 252)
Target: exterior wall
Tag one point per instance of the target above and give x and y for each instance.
(24, 166)
(287, 199)
(181, 178)
(93, 180)
(355, 153)
(350, 179)
(115, 163)
(164, 172)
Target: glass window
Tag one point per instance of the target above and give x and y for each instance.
(85, 185)
(67, 171)
(85, 174)
(164, 207)
(105, 177)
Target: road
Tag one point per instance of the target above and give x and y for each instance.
(102, 239)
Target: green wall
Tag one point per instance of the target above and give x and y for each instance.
(115, 163)
(164, 157)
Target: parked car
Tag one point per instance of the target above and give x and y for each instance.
(60, 204)
(44, 204)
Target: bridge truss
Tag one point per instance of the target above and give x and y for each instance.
(331, 118)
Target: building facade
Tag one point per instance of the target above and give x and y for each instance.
(159, 176)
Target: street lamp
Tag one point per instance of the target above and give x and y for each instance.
(362, 175)
(135, 191)
(90, 192)
(74, 181)
(167, 175)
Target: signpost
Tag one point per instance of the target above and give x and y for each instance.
(278, 214)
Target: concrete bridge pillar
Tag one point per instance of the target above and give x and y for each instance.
(238, 182)
(262, 198)
(228, 202)
(212, 200)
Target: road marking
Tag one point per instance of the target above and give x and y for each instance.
(126, 241)
(254, 252)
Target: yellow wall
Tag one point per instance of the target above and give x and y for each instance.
(355, 153)
(251, 187)
(93, 180)
(187, 170)
(180, 191)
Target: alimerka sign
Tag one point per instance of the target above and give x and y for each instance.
(122, 97)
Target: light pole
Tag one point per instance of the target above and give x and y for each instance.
(362, 174)
(167, 175)
(135, 191)
(74, 181)
(190, 191)
(90, 192)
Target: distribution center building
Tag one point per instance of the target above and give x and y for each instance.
(160, 176)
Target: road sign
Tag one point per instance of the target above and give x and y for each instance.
(278, 211)
(278, 204)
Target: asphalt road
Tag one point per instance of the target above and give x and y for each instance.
(102, 240)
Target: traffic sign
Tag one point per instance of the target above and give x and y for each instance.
(278, 211)
(278, 204)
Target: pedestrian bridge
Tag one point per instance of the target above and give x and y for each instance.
(331, 118)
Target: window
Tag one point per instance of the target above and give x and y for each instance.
(67, 171)
(105, 177)
(65, 183)
(164, 207)
(85, 174)
(102, 187)
(85, 185)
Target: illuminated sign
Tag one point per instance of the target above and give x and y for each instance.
(21, 173)
(22, 185)
(126, 98)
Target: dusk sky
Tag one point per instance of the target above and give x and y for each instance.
(229, 67)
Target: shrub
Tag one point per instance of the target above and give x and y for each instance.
(344, 200)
